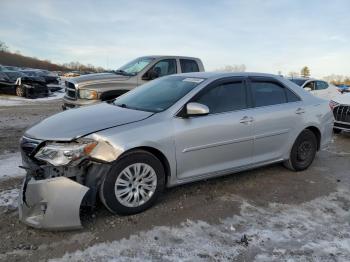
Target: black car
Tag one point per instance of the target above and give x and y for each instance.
(16, 82)
(49, 77)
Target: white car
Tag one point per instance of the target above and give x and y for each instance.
(341, 111)
(316, 87)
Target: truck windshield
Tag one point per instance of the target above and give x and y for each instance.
(158, 95)
(136, 65)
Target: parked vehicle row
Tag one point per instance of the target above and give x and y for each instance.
(27, 82)
(16, 82)
(170, 131)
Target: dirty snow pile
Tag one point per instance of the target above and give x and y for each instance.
(9, 166)
(9, 199)
(318, 230)
(15, 101)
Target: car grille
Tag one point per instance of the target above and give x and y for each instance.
(342, 113)
(29, 145)
(71, 92)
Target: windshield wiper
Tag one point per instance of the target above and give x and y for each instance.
(122, 72)
(122, 105)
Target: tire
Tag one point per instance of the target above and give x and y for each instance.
(303, 151)
(146, 189)
(21, 91)
(336, 131)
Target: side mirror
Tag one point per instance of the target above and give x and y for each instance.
(196, 109)
(150, 75)
(307, 89)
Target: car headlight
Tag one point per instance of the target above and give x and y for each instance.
(88, 94)
(59, 154)
(333, 104)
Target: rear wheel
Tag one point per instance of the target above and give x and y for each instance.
(133, 184)
(303, 151)
(20, 91)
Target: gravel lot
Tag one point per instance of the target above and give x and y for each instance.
(267, 214)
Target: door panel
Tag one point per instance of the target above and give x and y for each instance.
(276, 116)
(212, 143)
(273, 128)
(221, 140)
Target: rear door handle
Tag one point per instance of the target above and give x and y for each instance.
(300, 111)
(246, 120)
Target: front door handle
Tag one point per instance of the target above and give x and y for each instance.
(246, 120)
(300, 111)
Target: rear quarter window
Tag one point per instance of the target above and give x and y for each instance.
(291, 97)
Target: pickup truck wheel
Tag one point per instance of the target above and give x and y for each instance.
(133, 184)
(303, 151)
(20, 91)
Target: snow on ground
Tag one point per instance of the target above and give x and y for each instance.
(9, 166)
(9, 199)
(7, 100)
(318, 230)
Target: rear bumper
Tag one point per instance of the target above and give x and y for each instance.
(51, 203)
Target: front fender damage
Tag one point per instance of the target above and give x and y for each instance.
(51, 203)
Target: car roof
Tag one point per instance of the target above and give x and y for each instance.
(227, 74)
(169, 56)
(301, 78)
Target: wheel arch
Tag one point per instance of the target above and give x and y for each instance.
(157, 153)
(317, 133)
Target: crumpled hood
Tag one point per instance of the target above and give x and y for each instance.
(342, 99)
(74, 123)
(102, 77)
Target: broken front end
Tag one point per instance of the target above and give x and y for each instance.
(32, 87)
(61, 178)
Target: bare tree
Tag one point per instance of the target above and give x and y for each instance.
(293, 74)
(3, 47)
(232, 68)
(305, 71)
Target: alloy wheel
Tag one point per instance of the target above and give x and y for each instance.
(135, 184)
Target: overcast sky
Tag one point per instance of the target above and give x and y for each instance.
(266, 36)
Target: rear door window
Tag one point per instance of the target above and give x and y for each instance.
(188, 66)
(267, 93)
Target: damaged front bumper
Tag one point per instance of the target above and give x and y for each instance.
(52, 196)
(51, 203)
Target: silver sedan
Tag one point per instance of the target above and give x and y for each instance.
(171, 131)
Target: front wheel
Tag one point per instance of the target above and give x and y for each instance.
(133, 184)
(303, 151)
(21, 91)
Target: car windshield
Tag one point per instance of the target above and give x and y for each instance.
(158, 95)
(136, 65)
(297, 81)
(14, 74)
(30, 73)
